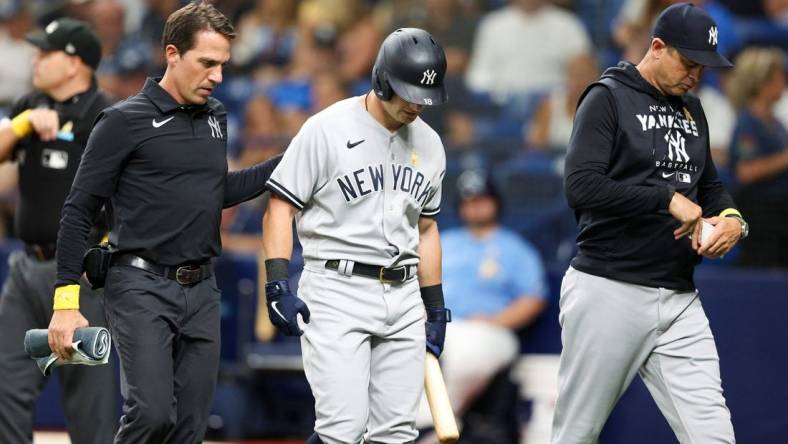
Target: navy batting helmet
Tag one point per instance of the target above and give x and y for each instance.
(412, 65)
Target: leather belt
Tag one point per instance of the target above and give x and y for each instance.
(383, 274)
(186, 274)
(41, 252)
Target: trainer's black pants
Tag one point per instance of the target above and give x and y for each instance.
(167, 337)
(89, 393)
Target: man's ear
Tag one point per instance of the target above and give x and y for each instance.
(171, 54)
(658, 47)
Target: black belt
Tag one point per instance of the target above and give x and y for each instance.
(186, 274)
(41, 252)
(383, 274)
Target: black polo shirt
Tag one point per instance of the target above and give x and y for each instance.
(46, 169)
(163, 167)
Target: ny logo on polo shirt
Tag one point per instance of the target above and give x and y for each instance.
(216, 129)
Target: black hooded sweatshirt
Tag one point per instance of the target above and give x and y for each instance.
(632, 147)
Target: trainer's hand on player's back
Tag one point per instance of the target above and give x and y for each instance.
(283, 308)
(689, 214)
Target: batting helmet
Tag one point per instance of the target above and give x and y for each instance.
(412, 65)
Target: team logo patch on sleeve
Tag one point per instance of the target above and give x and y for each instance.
(55, 159)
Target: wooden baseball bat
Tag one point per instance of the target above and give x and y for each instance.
(438, 398)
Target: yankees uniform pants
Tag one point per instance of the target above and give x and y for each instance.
(363, 353)
(89, 393)
(167, 338)
(612, 330)
(475, 351)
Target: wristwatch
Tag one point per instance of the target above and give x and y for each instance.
(745, 227)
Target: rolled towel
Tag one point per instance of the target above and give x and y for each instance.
(91, 347)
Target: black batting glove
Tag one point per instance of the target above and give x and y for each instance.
(436, 329)
(284, 306)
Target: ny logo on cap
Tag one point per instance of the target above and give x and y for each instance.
(428, 78)
(713, 35)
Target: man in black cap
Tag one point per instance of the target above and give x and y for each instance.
(649, 206)
(46, 136)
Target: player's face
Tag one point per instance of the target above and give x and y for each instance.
(679, 74)
(51, 69)
(198, 71)
(479, 211)
(401, 111)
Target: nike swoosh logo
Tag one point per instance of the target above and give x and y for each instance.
(273, 305)
(351, 145)
(158, 124)
(665, 176)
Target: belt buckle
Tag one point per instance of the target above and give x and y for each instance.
(381, 278)
(404, 272)
(187, 276)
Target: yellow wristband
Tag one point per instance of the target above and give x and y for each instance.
(67, 297)
(21, 125)
(729, 211)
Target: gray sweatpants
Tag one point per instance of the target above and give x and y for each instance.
(612, 330)
(89, 393)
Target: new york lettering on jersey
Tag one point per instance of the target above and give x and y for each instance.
(373, 178)
(346, 167)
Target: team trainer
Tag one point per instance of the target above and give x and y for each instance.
(160, 160)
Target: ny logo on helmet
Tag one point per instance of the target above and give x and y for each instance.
(713, 35)
(428, 78)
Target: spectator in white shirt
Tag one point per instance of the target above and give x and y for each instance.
(524, 48)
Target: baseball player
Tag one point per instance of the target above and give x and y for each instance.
(363, 180)
(640, 177)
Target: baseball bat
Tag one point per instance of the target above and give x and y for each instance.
(438, 398)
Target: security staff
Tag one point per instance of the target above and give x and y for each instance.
(46, 137)
(159, 158)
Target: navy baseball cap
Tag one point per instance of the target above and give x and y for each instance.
(473, 183)
(74, 37)
(692, 32)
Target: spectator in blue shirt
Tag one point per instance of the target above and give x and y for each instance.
(759, 155)
(494, 281)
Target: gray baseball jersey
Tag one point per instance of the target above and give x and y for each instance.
(361, 190)
(353, 180)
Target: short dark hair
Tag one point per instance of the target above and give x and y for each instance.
(184, 24)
